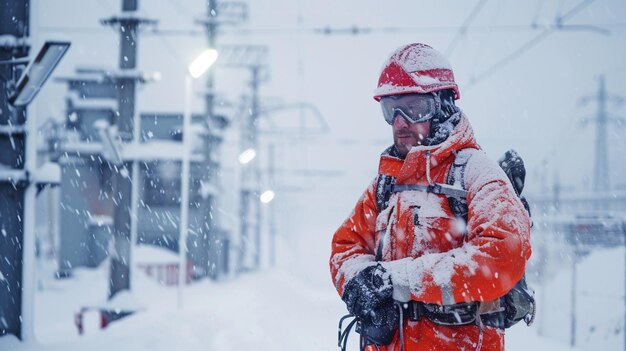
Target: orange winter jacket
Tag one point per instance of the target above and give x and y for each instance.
(425, 248)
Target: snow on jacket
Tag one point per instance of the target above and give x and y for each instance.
(428, 251)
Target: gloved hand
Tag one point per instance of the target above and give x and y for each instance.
(367, 291)
(369, 297)
(513, 166)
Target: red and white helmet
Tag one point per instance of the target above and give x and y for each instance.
(415, 68)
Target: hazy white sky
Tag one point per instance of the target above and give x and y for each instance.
(530, 103)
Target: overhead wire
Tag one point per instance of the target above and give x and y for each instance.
(181, 9)
(576, 9)
(171, 49)
(510, 57)
(486, 37)
(460, 31)
(559, 8)
(538, 8)
(526, 46)
(463, 29)
(105, 6)
(318, 31)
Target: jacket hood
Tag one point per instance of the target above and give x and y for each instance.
(414, 164)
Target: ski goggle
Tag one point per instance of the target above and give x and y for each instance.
(414, 108)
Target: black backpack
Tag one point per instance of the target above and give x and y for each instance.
(519, 302)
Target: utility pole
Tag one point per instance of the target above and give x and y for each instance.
(205, 258)
(19, 176)
(556, 193)
(601, 164)
(254, 170)
(601, 182)
(271, 170)
(573, 296)
(128, 24)
(624, 232)
(249, 206)
(210, 240)
(253, 58)
(14, 25)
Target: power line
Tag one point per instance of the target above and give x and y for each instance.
(181, 9)
(559, 8)
(575, 10)
(171, 50)
(487, 36)
(529, 44)
(537, 11)
(510, 57)
(463, 29)
(355, 30)
(350, 30)
(106, 6)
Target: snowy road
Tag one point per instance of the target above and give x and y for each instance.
(270, 310)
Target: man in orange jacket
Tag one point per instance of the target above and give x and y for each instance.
(416, 273)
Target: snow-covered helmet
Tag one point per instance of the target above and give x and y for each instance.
(415, 68)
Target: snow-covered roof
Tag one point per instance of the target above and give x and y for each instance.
(10, 174)
(207, 189)
(86, 73)
(8, 40)
(129, 74)
(102, 74)
(148, 254)
(48, 173)
(157, 150)
(83, 147)
(91, 103)
(100, 220)
(138, 15)
(153, 150)
(122, 301)
(12, 129)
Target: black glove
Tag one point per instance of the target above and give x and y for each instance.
(368, 296)
(367, 291)
(513, 166)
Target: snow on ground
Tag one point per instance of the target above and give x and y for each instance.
(599, 300)
(295, 307)
(271, 310)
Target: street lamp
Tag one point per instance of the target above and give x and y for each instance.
(38, 72)
(267, 196)
(196, 69)
(202, 63)
(247, 155)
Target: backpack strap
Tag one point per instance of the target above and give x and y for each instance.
(456, 178)
(439, 189)
(454, 189)
(384, 186)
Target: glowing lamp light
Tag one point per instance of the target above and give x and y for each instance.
(246, 156)
(267, 196)
(202, 63)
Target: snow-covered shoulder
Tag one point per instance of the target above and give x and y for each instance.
(481, 170)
